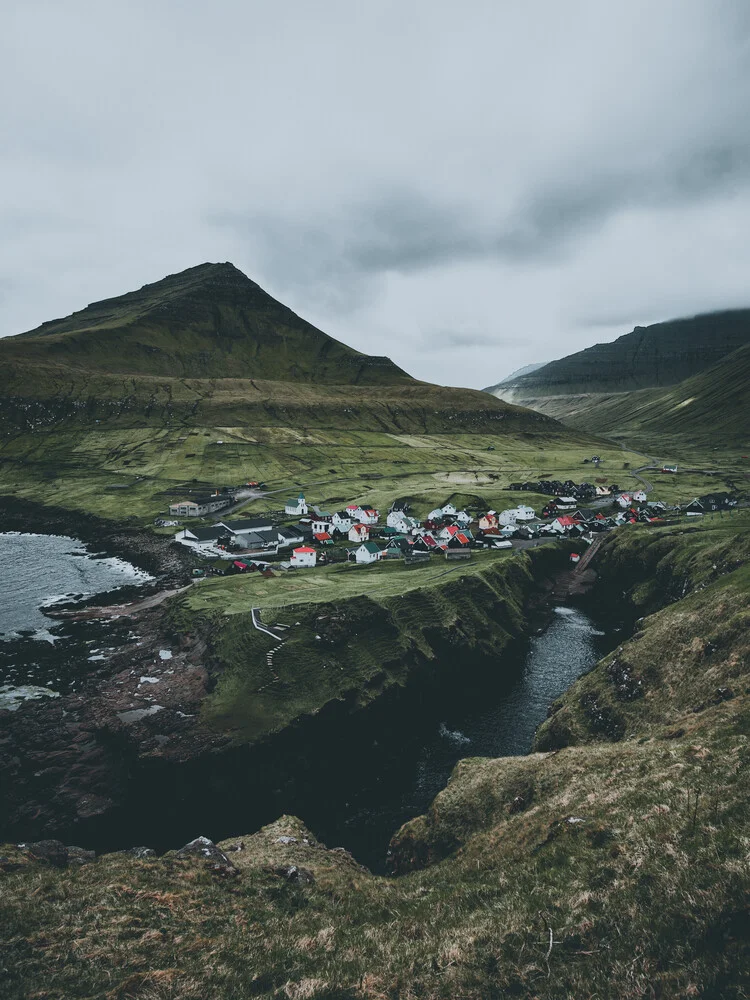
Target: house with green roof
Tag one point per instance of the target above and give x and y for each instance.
(368, 552)
(298, 507)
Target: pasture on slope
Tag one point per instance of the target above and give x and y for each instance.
(134, 472)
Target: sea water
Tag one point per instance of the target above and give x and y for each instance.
(35, 571)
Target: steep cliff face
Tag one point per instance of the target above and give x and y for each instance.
(230, 720)
(615, 866)
(659, 355)
(682, 677)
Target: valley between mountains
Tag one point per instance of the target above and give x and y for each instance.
(610, 861)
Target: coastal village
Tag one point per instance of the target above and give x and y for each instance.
(303, 535)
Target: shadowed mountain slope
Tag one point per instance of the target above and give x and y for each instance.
(712, 408)
(659, 355)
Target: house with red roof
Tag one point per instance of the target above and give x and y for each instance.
(448, 532)
(359, 533)
(304, 557)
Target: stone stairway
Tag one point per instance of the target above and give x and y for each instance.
(275, 679)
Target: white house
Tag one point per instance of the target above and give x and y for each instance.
(625, 500)
(304, 557)
(524, 513)
(561, 524)
(359, 533)
(342, 521)
(448, 532)
(640, 496)
(402, 522)
(367, 515)
(507, 516)
(449, 510)
(202, 538)
(435, 515)
(508, 530)
(368, 552)
(602, 491)
(320, 525)
(463, 518)
(297, 508)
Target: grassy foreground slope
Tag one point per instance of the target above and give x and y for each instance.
(615, 866)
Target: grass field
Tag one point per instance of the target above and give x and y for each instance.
(238, 594)
(134, 472)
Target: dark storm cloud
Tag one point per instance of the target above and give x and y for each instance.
(405, 231)
(465, 191)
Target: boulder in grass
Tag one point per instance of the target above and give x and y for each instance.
(54, 852)
(204, 848)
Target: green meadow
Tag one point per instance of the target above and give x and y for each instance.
(134, 473)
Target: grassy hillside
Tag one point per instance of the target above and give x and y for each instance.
(208, 321)
(125, 471)
(125, 403)
(613, 867)
(709, 410)
(659, 355)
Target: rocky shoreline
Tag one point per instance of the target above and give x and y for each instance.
(171, 564)
(130, 749)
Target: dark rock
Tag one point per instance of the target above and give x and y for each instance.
(6, 865)
(628, 685)
(674, 734)
(80, 856)
(140, 852)
(292, 873)
(723, 694)
(52, 851)
(202, 847)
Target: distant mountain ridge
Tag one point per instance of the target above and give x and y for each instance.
(711, 409)
(659, 355)
(525, 370)
(210, 321)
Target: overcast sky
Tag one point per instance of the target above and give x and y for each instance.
(465, 187)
